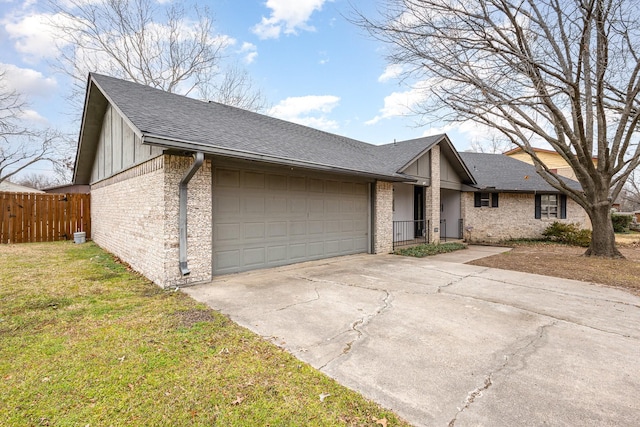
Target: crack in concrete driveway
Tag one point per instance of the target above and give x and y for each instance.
(416, 335)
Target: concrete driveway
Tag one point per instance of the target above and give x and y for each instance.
(443, 343)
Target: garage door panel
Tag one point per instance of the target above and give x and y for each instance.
(227, 260)
(253, 205)
(297, 251)
(315, 249)
(276, 205)
(254, 256)
(277, 229)
(227, 205)
(332, 247)
(297, 228)
(254, 180)
(298, 183)
(254, 230)
(316, 185)
(227, 232)
(265, 218)
(228, 178)
(277, 182)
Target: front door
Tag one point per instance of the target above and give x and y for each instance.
(418, 210)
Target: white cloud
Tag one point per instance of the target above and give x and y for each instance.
(288, 16)
(32, 116)
(26, 81)
(249, 51)
(400, 103)
(33, 36)
(304, 110)
(392, 71)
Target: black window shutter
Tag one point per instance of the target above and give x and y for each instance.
(476, 200)
(563, 206)
(538, 206)
(494, 200)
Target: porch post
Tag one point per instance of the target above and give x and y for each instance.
(383, 218)
(432, 197)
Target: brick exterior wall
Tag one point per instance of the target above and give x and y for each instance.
(383, 218)
(432, 197)
(513, 218)
(199, 222)
(134, 215)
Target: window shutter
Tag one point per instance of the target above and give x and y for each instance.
(563, 206)
(538, 206)
(476, 200)
(494, 200)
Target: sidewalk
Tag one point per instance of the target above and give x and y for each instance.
(472, 252)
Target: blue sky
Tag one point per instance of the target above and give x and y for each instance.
(314, 66)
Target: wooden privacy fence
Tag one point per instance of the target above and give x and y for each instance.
(42, 217)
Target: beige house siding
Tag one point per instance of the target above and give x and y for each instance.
(135, 216)
(514, 218)
(383, 218)
(552, 159)
(119, 148)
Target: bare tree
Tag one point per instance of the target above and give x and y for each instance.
(630, 195)
(562, 72)
(146, 42)
(37, 180)
(493, 145)
(20, 146)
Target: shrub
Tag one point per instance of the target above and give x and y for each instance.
(621, 223)
(570, 234)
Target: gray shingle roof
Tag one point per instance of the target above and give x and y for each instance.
(504, 173)
(172, 120)
(212, 125)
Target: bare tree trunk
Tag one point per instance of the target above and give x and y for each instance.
(603, 239)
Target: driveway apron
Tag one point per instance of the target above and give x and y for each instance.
(448, 344)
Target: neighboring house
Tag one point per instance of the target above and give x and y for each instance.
(183, 189)
(512, 201)
(16, 188)
(552, 159)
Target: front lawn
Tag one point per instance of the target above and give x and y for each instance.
(552, 259)
(84, 341)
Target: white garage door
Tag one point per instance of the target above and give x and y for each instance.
(266, 218)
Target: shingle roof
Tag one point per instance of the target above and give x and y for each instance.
(172, 120)
(210, 125)
(504, 173)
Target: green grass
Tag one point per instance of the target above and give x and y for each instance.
(85, 341)
(430, 249)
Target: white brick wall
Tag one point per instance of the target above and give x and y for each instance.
(432, 199)
(513, 218)
(134, 215)
(383, 218)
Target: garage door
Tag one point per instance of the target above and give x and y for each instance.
(265, 218)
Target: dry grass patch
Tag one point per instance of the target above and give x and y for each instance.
(568, 262)
(84, 341)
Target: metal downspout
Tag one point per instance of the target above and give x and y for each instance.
(182, 217)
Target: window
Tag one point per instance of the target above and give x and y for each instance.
(487, 200)
(551, 206)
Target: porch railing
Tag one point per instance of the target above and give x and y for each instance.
(443, 230)
(408, 233)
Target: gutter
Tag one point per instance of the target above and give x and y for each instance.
(182, 217)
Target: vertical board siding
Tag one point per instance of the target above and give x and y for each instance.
(37, 217)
